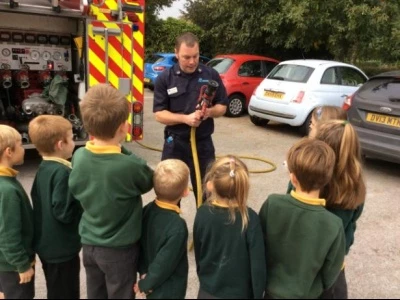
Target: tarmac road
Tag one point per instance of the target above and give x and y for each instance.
(373, 265)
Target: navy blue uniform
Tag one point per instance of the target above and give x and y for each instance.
(178, 92)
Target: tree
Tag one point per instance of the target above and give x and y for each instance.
(348, 30)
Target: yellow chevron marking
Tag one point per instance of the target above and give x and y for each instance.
(97, 62)
(138, 60)
(92, 81)
(138, 84)
(138, 36)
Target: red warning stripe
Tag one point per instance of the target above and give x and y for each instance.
(96, 73)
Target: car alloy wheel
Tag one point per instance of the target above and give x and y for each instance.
(236, 106)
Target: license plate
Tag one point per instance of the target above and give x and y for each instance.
(275, 95)
(383, 119)
(147, 80)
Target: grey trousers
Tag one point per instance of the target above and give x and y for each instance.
(110, 272)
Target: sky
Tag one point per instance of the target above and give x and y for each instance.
(172, 11)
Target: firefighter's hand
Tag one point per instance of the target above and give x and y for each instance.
(26, 276)
(207, 114)
(194, 119)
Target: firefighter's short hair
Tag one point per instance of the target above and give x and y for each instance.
(103, 110)
(46, 131)
(9, 137)
(171, 179)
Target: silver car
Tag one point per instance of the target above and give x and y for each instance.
(374, 111)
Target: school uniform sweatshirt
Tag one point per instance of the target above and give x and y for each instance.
(163, 252)
(108, 181)
(349, 218)
(56, 212)
(305, 246)
(16, 224)
(230, 263)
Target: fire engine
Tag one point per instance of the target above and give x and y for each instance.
(52, 51)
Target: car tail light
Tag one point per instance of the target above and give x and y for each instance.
(159, 68)
(347, 102)
(299, 97)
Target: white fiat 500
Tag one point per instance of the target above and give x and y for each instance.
(294, 88)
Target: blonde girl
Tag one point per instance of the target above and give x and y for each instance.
(322, 114)
(326, 113)
(345, 193)
(228, 240)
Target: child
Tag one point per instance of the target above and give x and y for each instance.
(305, 243)
(56, 212)
(16, 222)
(325, 113)
(320, 114)
(345, 193)
(108, 181)
(163, 253)
(228, 243)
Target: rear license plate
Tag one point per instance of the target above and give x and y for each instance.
(147, 80)
(383, 119)
(275, 95)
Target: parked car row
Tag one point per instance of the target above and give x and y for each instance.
(287, 92)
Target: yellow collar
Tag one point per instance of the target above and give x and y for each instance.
(307, 200)
(59, 160)
(8, 172)
(102, 149)
(223, 205)
(168, 206)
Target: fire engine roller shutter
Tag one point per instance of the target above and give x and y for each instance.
(125, 57)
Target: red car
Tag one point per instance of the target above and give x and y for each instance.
(241, 74)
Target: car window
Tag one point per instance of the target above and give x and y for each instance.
(381, 88)
(250, 69)
(154, 59)
(203, 60)
(289, 72)
(268, 66)
(174, 60)
(221, 65)
(351, 77)
(330, 76)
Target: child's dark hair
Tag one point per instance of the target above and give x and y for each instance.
(347, 189)
(312, 162)
(230, 179)
(103, 110)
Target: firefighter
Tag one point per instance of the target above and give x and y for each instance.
(176, 95)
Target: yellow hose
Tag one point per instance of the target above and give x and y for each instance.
(193, 144)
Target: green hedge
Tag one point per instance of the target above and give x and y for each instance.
(375, 67)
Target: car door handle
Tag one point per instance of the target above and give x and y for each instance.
(245, 83)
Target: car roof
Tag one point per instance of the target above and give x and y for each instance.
(315, 62)
(245, 56)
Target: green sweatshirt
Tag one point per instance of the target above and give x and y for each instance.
(16, 224)
(305, 246)
(163, 252)
(349, 218)
(230, 263)
(56, 213)
(109, 183)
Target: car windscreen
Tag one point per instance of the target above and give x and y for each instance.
(221, 65)
(288, 72)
